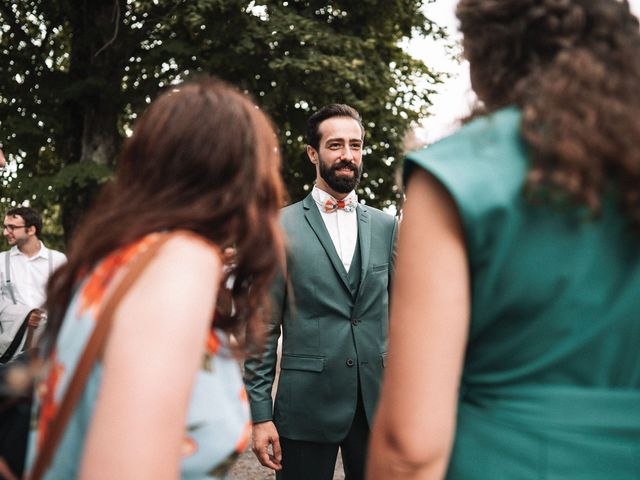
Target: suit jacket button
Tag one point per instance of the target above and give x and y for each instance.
(350, 362)
(354, 321)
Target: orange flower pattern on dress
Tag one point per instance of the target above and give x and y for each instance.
(189, 447)
(213, 344)
(46, 392)
(92, 295)
(243, 442)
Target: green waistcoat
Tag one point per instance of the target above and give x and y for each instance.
(354, 270)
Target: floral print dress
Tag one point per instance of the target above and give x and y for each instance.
(218, 423)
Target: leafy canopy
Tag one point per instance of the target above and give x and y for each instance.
(76, 74)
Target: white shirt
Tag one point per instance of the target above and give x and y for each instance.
(342, 226)
(29, 275)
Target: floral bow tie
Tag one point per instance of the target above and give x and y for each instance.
(333, 205)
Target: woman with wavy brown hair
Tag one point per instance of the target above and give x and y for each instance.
(164, 397)
(514, 321)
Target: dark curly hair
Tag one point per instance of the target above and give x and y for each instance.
(202, 158)
(573, 68)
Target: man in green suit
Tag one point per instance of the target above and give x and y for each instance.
(331, 306)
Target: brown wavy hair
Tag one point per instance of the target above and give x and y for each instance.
(573, 68)
(203, 158)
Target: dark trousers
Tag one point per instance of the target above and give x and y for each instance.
(316, 461)
(15, 418)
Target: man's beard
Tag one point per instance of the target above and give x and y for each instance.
(340, 183)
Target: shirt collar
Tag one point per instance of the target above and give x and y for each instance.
(43, 253)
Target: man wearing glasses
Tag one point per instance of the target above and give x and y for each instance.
(26, 267)
(14, 319)
(24, 271)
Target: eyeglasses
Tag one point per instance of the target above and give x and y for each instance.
(11, 228)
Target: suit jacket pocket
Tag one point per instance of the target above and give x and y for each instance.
(299, 391)
(307, 364)
(380, 268)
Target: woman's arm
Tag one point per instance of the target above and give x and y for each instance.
(414, 428)
(153, 352)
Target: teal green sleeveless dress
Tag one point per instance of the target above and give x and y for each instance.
(551, 381)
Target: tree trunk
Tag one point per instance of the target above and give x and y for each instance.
(98, 56)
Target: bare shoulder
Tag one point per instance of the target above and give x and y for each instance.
(185, 250)
(185, 268)
(180, 282)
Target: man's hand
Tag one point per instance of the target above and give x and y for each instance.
(265, 434)
(35, 317)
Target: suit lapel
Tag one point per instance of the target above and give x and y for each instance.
(313, 217)
(364, 237)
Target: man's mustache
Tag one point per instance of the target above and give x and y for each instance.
(345, 164)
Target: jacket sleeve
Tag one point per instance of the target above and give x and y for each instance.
(260, 365)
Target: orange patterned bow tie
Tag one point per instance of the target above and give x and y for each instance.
(333, 205)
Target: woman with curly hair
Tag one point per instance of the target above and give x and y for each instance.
(515, 328)
(162, 394)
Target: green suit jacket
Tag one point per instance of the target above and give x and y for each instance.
(333, 338)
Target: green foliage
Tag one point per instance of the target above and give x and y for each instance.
(43, 190)
(76, 74)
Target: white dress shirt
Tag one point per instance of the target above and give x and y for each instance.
(342, 226)
(29, 275)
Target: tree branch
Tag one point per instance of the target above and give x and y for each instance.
(116, 19)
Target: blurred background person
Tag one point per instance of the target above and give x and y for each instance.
(514, 324)
(14, 405)
(165, 398)
(26, 267)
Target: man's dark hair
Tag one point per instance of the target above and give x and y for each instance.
(329, 111)
(30, 216)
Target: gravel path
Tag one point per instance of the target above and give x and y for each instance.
(248, 468)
